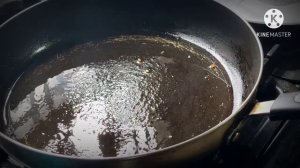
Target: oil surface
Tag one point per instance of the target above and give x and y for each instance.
(120, 97)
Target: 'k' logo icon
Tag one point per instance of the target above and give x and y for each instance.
(273, 18)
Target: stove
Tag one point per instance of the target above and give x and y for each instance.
(255, 141)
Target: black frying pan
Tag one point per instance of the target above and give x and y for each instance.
(174, 46)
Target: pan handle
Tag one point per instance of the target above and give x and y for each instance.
(285, 107)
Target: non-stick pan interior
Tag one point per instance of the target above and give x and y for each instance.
(120, 97)
(55, 26)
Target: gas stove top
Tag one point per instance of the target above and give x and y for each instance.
(255, 141)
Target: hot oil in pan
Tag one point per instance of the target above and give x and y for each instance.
(121, 97)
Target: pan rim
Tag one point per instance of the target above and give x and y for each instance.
(120, 158)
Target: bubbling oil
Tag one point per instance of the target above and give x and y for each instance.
(120, 97)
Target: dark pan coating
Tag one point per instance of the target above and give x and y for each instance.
(121, 97)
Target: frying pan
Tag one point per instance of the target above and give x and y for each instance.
(50, 27)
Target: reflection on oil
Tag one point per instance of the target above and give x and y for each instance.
(122, 97)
